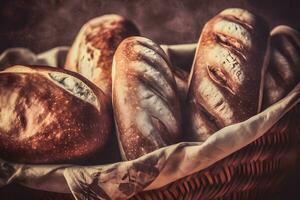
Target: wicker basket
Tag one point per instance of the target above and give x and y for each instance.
(253, 172)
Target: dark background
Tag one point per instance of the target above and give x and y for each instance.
(44, 24)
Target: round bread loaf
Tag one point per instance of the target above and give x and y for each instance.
(50, 115)
(283, 72)
(92, 52)
(224, 85)
(145, 100)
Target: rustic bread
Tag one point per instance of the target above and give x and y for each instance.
(50, 115)
(92, 52)
(224, 85)
(145, 100)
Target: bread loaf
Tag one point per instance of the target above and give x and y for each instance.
(145, 100)
(283, 72)
(50, 115)
(224, 85)
(92, 52)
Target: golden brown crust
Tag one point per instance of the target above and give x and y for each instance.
(92, 52)
(145, 101)
(50, 115)
(225, 81)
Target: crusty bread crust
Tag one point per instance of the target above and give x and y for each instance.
(224, 84)
(92, 52)
(145, 100)
(50, 115)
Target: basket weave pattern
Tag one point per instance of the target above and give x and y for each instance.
(251, 173)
